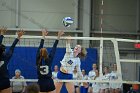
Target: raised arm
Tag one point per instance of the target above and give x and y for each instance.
(68, 48)
(44, 33)
(2, 31)
(52, 52)
(11, 49)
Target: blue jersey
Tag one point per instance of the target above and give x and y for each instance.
(44, 69)
(4, 60)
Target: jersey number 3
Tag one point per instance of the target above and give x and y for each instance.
(45, 70)
(1, 63)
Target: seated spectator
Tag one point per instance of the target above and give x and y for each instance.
(105, 86)
(18, 87)
(32, 88)
(115, 87)
(54, 73)
(76, 77)
(91, 74)
(84, 85)
(96, 85)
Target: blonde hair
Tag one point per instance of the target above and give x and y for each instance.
(83, 53)
(43, 55)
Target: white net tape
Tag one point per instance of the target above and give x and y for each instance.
(89, 81)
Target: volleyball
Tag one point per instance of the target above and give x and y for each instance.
(67, 21)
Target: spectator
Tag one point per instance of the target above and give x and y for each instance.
(84, 85)
(91, 74)
(76, 77)
(18, 87)
(115, 87)
(96, 85)
(106, 76)
(54, 73)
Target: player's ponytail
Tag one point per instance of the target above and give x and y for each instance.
(43, 55)
(83, 53)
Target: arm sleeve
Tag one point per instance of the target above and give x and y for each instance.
(38, 51)
(40, 46)
(9, 53)
(1, 38)
(53, 50)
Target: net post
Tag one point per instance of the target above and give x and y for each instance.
(117, 55)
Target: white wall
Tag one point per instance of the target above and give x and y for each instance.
(33, 13)
(7, 17)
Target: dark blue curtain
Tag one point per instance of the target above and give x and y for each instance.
(24, 59)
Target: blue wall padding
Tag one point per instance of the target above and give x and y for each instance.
(24, 59)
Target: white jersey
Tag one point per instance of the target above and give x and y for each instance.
(54, 75)
(76, 77)
(91, 74)
(85, 77)
(114, 77)
(69, 62)
(105, 77)
(96, 86)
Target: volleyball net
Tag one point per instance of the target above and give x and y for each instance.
(109, 51)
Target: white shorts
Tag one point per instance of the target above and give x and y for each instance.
(115, 85)
(96, 88)
(104, 86)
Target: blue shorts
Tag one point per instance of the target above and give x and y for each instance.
(61, 75)
(83, 89)
(46, 85)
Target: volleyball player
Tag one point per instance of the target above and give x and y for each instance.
(76, 77)
(91, 74)
(54, 73)
(105, 86)
(96, 85)
(44, 63)
(115, 87)
(84, 85)
(70, 61)
(4, 60)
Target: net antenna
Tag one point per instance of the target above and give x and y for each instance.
(101, 41)
(115, 43)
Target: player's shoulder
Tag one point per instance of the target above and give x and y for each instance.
(91, 71)
(21, 77)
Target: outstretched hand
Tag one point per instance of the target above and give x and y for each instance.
(44, 33)
(20, 33)
(3, 30)
(60, 33)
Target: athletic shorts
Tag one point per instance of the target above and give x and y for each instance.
(4, 84)
(46, 85)
(76, 86)
(90, 84)
(83, 89)
(61, 75)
